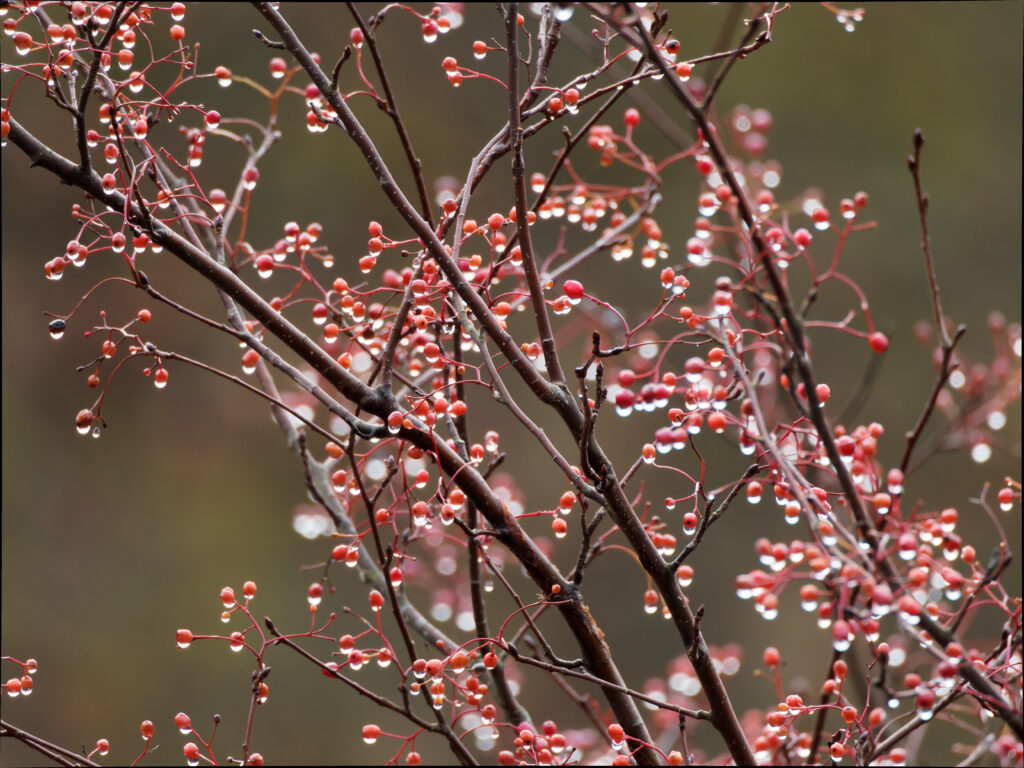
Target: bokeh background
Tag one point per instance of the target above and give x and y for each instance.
(110, 545)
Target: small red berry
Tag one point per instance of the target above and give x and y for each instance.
(573, 289)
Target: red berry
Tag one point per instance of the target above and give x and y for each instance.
(278, 67)
(1005, 497)
(573, 289)
(22, 42)
(717, 422)
(879, 342)
(315, 593)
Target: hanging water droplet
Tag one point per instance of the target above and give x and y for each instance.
(57, 328)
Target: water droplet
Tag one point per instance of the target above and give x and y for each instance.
(57, 328)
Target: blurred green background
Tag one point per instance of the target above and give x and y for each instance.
(110, 545)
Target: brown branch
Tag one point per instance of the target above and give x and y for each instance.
(515, 132)
(709, 517)
(391, 107)
(946, 368)
(510, 705)
(53, 752)
(914, 163)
